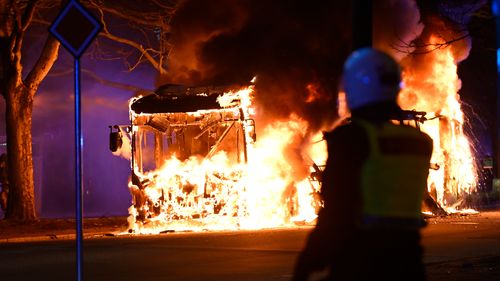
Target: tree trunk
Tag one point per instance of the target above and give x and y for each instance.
(21, 200)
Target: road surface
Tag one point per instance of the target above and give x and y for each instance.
(457, 248)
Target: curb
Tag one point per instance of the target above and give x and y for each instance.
(56, 237)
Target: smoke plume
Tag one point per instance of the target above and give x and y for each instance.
(295, 48)
(396, 24)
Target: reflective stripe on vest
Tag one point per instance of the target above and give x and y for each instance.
(394, 177)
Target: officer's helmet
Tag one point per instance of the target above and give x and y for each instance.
(370, 76)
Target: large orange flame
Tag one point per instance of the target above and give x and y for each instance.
(435, 91)
(273, 188)
(276, 185)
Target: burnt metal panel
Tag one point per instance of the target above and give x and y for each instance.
(175, 98)
(171, 104)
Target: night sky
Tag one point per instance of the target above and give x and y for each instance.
(479, 85)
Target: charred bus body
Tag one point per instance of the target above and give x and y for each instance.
(185, 124)
(173, 134)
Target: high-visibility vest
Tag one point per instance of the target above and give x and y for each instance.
(394, 177)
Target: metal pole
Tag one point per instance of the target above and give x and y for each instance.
(495, 8)
(78, 175)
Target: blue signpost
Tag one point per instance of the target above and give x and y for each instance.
(75, 28)
(495, 8)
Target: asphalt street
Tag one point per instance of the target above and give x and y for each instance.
(457, 248)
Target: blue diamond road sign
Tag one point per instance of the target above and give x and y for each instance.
(75, 28)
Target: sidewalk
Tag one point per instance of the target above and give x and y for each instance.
(65, 229)
(55, 229)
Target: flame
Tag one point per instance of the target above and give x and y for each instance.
(274, 187)
(312, 91)
(434, 90)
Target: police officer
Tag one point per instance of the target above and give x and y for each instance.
(373, 183)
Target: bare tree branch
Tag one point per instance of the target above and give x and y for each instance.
(144, 52)
(44, 63)
(28, 14)
(98, 78)
(449, 21)
(140, 18)
(16, 16)
(407, 47)
(114, 84)
(17, 8)
(169, 7)
(15, 41)
(420, 49)
(40, 21)
(145, 23)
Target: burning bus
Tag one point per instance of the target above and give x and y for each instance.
(196, 161)
(195, 164)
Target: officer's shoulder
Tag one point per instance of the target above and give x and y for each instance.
(417, 132)
(346, 130)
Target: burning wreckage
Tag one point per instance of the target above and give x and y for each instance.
(191, 160)
(196, 163)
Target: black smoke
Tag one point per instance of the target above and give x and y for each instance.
(295, 48)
